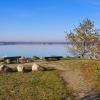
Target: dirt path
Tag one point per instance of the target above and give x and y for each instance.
(77, 82)
(74, 79)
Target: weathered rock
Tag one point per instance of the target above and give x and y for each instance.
(37, 67)
(5, 68)
(1, 67)
(20, 68)
(8, 61)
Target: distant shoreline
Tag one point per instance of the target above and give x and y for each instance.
(37, 43)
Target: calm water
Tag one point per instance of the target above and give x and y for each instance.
(34, 50)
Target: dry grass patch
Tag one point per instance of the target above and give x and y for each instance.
(32, 86)
(91, 70)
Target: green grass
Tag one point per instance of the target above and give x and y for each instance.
(46, 85)
(32, 86)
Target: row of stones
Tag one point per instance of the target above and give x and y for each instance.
(20, 68)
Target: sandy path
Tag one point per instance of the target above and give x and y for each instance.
(77, 82)
(74, 79)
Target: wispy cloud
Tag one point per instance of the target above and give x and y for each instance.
(94, 5)
(94, 2)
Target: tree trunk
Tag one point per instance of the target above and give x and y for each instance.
(82, 56)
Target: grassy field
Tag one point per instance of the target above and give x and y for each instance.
(32, 86)
(82, 76)
(79, 76)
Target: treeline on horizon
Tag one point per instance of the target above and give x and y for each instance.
(15, 43)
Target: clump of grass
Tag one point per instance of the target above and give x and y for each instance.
(32, 86)
(91, 70)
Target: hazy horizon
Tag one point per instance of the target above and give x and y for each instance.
(32, 41)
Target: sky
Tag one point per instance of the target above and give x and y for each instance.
(44, 20)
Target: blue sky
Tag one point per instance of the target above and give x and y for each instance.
(44, 20)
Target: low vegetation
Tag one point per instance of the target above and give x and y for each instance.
(91, 70)
(79, 75)
(82, 76)
(32, 86)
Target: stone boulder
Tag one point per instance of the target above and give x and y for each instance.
(20, 68)
(37, 67)
(5, 68)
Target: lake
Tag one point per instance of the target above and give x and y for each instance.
(35, 50)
